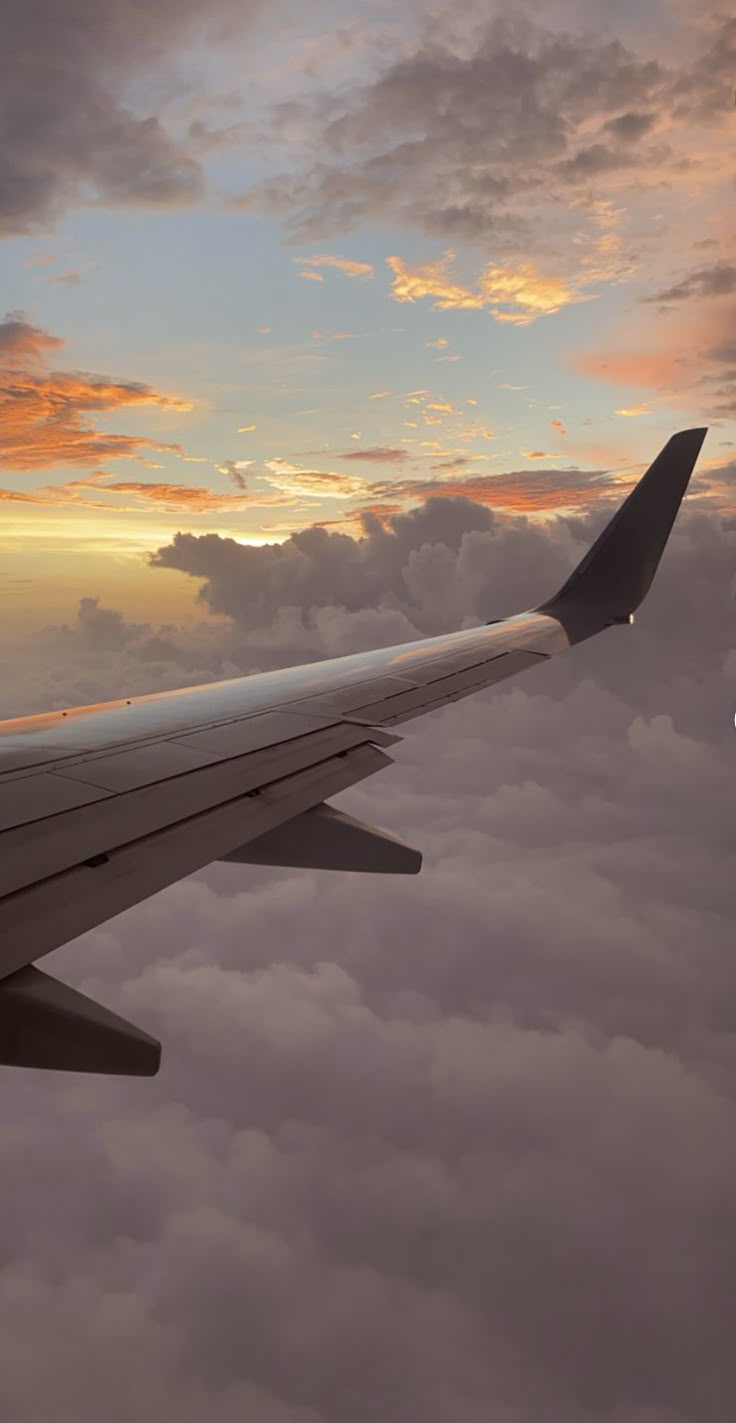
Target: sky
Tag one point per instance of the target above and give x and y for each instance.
(286, 264)
(326, 326)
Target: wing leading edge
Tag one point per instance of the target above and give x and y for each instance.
(100, 807)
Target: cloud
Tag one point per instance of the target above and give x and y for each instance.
(42, 413)
(425, 1142)
(633, 410)
(558, 426)
(716, 280)
(73, 134)
(346, 265)
(23, 344)
(186, 498)
(376, 454)
(103, 492)
(64, 279)
(515, 294)
(312, 276)
(459, 462)
(310, 483)
(233, 469)
(323, 571)
(464, 139)
(693, 358)
(627, 128)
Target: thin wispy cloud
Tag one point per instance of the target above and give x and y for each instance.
(346, 265)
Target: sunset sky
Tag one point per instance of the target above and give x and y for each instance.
(303, 261)
(458, 1147)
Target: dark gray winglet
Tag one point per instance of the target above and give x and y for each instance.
(616, 574)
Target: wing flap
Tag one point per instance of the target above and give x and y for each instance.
(327, 839)
(48, 912)
(33, 852)
(44, 1023)
(38, 797)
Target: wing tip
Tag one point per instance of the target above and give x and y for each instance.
(615, 575)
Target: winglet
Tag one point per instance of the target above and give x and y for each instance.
(616, 574)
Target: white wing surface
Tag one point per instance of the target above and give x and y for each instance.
(102, 806)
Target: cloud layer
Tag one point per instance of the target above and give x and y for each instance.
(464, 1148)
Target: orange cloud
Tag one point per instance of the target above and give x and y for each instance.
(42, 413)
(541, 492)
(312, 276)
(632, 410)
(42, 419)
(558, 426)
(171, 498)
(341, 264)
(516, 294)
(184, 498)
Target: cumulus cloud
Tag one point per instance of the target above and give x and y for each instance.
(424, 1150)
(73, 132)
(419, 571)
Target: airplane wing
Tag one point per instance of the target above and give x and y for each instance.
(102, 806)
